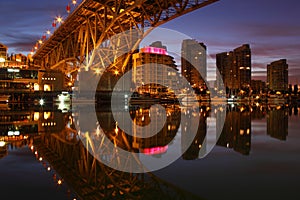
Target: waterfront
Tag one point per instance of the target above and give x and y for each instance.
(257, 158)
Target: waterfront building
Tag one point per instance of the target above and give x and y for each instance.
(296, 89)
(290, 90)
(258, 86)
(25, 84)
(194, 63)
(153, 64)
(13, 60)
(51, 81)
(224, 62)
(27, 80)
(235, 70)
(277, 76)
(3, 54)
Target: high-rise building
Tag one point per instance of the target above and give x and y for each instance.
(225, 67)
(193, 63)
(235, 70)
(153, 64)
(277, 79)
(242, 60)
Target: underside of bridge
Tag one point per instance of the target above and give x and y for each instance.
(95, 21)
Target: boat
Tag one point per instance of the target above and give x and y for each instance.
(4, 98)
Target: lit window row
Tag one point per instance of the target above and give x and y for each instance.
(49, 124)
(243, 131)
(48, 79)
(248, 68)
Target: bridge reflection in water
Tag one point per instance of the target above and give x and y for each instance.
(93, 180)
(58, 142)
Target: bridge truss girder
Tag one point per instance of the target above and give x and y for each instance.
(95, 21)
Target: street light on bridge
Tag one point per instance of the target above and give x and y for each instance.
(59, 19)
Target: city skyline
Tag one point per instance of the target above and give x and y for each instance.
(270, 27)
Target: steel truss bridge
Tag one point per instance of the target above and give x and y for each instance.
(95, 21)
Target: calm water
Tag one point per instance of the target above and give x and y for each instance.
(256, 156)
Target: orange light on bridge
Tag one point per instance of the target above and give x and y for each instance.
(116, 72)
(74, 2)
(97, 71)
(59, 182)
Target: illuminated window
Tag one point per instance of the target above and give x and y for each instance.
(248, 131)
(241, 132)
(36, 116)
(36, 87)
(47, 115)
(47, 87)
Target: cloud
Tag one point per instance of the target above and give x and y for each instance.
(24, 22)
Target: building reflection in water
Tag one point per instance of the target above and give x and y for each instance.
(17, 121)
(189, 122)
(236, 133)
(61, 138)
(154, 145)
(20, 123)
(277, 122)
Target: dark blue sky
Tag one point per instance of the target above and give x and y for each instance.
(271, 27)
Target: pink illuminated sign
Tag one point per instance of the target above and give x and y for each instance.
(155, 150)
(154, 50)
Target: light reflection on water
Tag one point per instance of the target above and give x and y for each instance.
(256, 151)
